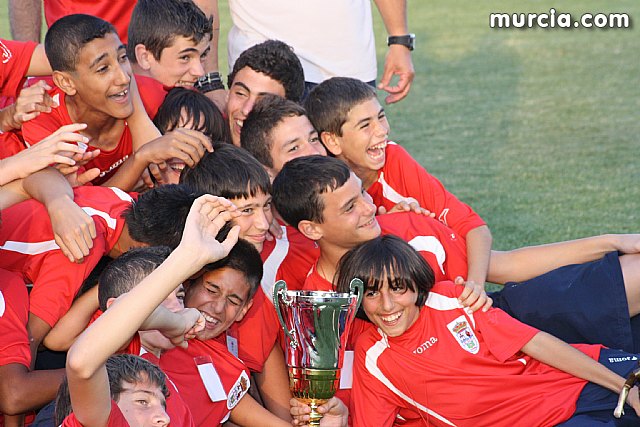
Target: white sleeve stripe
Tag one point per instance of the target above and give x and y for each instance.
(111, 222)
(391, 194)
(430, 244)
(272, 264)
(30, 248)
(371, 363)
(121, 194)
(442, 303)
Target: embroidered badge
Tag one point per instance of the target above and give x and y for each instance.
(238, 390)
(462, 332)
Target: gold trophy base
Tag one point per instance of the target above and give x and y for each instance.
(313, 387)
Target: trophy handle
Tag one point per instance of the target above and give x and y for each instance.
(357, 286)
(280, 292)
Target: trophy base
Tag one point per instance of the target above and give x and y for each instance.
(313, 387)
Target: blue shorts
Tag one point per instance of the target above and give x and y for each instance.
(595, 404)
(581, 303)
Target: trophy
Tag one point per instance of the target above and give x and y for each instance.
(316, 325)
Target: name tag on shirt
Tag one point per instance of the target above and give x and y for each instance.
(346, 373)
(210, 378)
(232, 344)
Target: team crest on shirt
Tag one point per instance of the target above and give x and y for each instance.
(238, 390)
(462, 332)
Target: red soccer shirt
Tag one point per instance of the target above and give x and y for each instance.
(403, 179)
(178, 411)
(152, 93)
(455, 368)
(117, 12)
(198, 370)
(116, 419)
(27, 247)
(14, 314)
(288, 258)
(15, 58)
(46, 123)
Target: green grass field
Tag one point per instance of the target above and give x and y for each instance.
(536, 129)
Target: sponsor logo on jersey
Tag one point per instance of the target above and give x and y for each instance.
(462, 332)
(622, 359)
(6, 53)
(425, 345)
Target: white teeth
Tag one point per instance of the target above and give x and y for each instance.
(380, 146)
(178, 167)
(208, 318)
(392, 317)
(240, 122)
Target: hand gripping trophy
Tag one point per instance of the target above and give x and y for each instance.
(316, 325)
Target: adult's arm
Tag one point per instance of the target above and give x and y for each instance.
(25, 19)
(398, 60)
(478, 255)
(211, 64)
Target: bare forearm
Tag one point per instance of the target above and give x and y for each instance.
(249, 413)
(394, 16)
(48, 186)
(128, 174)
(273, 383)
(142, 128)
(478, 254)
(554, 352)
(23, 390)
(532, 261)
(71, 325)
(25, 19)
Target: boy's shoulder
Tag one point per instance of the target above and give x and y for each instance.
(116, 418)
(152, 93)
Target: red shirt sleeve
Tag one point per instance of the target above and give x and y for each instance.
(406, 176)
(14, 314)
(152, 93)
(14, 64)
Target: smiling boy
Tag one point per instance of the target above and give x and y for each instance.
(268, 67)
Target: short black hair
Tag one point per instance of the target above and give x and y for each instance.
(204, 114)
(229, 172)
(277, 60)
(298, 187)
(121, 368)
(156, 23)
(158, 217)
(125, 272)
(266, 114)
(329, 103)
(386, 259)
(245, 258)
(68, 35)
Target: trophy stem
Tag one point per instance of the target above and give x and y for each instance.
(313, 387)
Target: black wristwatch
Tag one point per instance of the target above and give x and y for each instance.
(209, 82)
(408, 41)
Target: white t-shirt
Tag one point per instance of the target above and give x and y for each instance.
(331, 37)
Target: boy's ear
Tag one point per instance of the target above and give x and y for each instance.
(65, 82)
(310, 229)
(244, 310)
(110, 301)
(143, 57)
(332, 143)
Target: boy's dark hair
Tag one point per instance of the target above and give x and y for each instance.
(126, 271)
(276, 60)
(158, 217)
(196, 107)
(266, 114)
(120, 368)
(298, 188)
(329, 103)
(245, 258)
(229, 172)
(386, 259)
(68, 35)
(156, 23)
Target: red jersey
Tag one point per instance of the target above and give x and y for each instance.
(27, 247)
(46, 123)
(440, 246)
(210, 379)
(288, 258)
(116, 419)
(452, 368)
(117, 12)
(403, 179)
(14, 315)
(178, 411)
(15, 58)
(152, 93)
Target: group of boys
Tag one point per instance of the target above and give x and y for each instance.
(336, 182)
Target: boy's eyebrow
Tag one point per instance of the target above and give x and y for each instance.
(188, 50)
(97, 60)
(244, 86)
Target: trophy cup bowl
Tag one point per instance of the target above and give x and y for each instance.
(316, 326)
